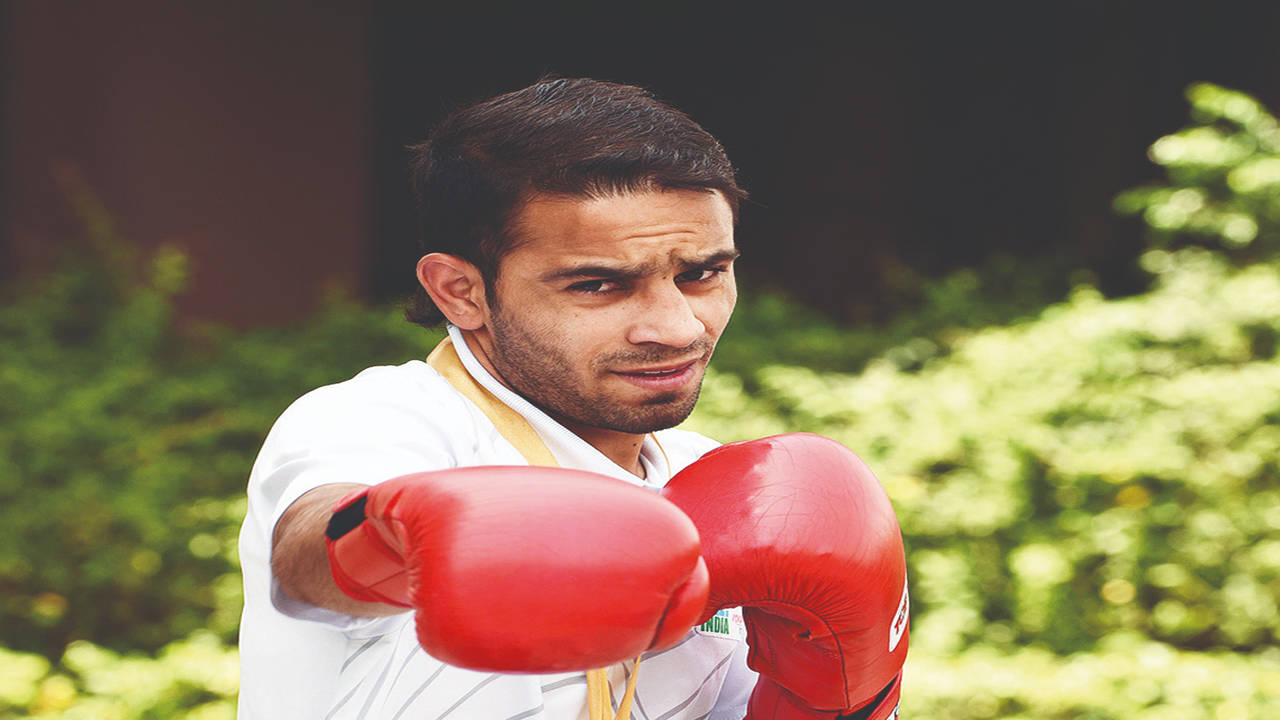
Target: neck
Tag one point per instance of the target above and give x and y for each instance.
(620, 447)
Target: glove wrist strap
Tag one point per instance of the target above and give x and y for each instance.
(362, 564)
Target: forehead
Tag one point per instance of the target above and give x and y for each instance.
(631, 227)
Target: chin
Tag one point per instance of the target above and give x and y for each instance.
(656, 414)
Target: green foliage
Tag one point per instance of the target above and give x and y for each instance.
(767, 329)
(94, 465)
(1126, 678)
(1110, 465)
(195, 679)
(1223, 177)
(126, 446)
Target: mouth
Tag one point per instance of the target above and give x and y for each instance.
(659, 371)
(661, 377)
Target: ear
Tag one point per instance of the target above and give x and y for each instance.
(456, 287)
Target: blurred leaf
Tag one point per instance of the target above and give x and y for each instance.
(1223, 178)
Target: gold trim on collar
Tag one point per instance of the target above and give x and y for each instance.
(511, 424)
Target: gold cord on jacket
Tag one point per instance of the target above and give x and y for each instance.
(599, 700)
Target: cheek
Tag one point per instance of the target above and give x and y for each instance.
(717, 309)
(581, 335)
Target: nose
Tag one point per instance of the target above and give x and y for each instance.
(665, 317)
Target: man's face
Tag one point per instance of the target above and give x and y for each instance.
(607, 310)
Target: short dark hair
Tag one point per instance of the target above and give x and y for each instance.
(574, 137)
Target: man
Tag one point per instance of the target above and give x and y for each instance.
(578, 240)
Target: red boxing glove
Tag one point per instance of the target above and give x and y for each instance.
(523, 569)
(797, 530)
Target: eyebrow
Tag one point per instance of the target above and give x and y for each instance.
(628, 271)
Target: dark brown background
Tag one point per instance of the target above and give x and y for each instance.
(879, 144)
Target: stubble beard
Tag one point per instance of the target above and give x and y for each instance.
(541, 372)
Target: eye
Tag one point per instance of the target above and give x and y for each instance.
(595, 287)
(699, 275)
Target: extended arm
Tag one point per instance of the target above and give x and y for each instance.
(597, 570)
(300, 561)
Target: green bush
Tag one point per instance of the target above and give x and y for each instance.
(126, 446)
(1126, 678)
(195, 679)
(1110, 465)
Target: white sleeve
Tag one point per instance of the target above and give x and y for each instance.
(354, 432)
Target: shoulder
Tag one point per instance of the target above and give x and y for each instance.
(380, 405)
(412, 388)
(683, 446)
(387, 381)
(382, 423)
